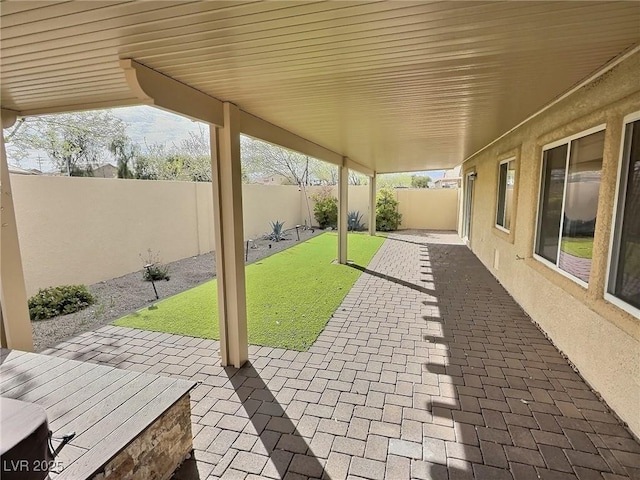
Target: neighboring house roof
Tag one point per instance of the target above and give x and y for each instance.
(21, 171)
(453, 173)
(106, 171)
(448, 180)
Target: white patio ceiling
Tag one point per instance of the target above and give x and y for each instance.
(396, 86)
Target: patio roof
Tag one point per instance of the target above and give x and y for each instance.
(395, 86)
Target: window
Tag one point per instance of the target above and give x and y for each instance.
(624, 271)
(506, 182)
(571, 171)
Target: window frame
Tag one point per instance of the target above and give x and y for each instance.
(557, 143)
(503, 162)
(618, 210)
(467, 217)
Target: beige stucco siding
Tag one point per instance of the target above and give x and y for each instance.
(602, 340)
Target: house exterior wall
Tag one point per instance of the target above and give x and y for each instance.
(602, 340)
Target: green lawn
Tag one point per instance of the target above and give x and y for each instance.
(578, 247)
(290, 296)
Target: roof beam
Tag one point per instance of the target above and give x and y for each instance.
(8, 117)
(154, 88)
(258, 128)
(358, 167)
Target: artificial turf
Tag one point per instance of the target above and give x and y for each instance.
(290, 296)
(578, 247)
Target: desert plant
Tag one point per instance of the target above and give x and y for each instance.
(387, 216)
(62, 300)
(277, 231)
(354, 221)
(326, 209)
(154, 269)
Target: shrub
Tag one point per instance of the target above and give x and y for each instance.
(156, 270)
(62, 300)
(387, 216)
(354, 221)
(326, 209)
(277, 231)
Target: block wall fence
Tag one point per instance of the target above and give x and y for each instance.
(86, 230)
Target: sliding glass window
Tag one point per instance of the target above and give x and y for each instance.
(624, 273)
(506, 183)
(568, 204)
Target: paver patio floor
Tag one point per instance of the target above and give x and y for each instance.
(429, 369)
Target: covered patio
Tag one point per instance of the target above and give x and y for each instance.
(429, 369)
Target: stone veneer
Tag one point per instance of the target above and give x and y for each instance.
(158, 451)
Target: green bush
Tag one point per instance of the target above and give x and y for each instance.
(54, 301)
(326, 209)
(387, 216)
(156, 270)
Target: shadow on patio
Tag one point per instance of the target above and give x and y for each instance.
(279, 439)
(428, 369)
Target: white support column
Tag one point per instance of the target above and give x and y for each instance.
(14, 313)
(229, 237)
(372, 205)
(343, 192)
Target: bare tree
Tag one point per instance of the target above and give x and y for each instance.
(263, 159)
(197, 144)
(357, 178)
(74, 142)
(323, 172)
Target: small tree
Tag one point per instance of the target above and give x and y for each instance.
(125, 153)
(418, 181)
(326, 209)
(387, 216)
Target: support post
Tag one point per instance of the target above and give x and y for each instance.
(372, 205)
(229, 238)
(14, 313)
(343, 191)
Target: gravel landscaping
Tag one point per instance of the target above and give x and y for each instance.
(120, 296)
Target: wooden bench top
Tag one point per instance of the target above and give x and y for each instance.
(106, 407)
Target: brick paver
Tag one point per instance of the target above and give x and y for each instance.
(428, 369)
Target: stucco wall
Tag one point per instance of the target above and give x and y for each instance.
(421, 208)
(603, 341)
(430, 209)
(357, 199)
(263, 204)
(85, 230)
